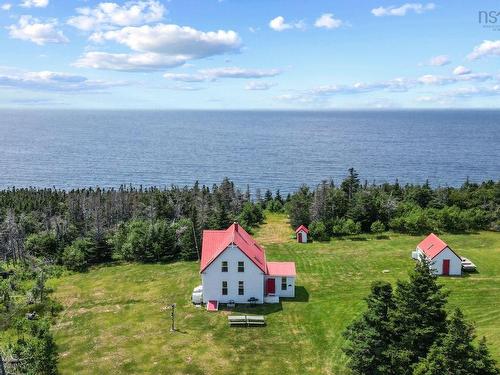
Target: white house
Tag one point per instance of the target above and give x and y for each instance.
(301, 234)
(444, 261)
(234, 270)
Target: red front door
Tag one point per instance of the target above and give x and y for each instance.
(446, 266)
(300, 237)
(270, 286)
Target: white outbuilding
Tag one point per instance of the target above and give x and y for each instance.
(301, 233)
(444, 261)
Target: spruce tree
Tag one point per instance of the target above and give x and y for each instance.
(369, 337)
(418, 319)
(455, 353)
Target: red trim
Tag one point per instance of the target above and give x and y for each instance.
(270, 286)
(446, 267)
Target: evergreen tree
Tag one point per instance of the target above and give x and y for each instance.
(351, 184)
(299, 207)
(419, 317)
(455, 353)
(369, 337)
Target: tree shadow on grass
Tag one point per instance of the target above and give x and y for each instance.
(358, 239)
(382, 237)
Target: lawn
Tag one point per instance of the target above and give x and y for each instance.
(115, 319)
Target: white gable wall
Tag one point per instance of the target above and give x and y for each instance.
(212, 278)
(437, 262)
(455, 263)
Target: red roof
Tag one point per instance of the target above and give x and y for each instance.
(302, 227)
(281, 268)
(432, 245)
(216, 241)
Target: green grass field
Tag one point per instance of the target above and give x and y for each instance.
(115, 322)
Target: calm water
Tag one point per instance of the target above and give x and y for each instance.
(264, 149)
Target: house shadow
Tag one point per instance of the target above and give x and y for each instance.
(301, 295)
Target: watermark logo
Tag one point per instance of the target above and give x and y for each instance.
(489, 19)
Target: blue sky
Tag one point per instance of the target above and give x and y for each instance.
(230, 54)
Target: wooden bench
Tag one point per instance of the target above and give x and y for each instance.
(246, 320)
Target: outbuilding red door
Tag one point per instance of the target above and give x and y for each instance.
(270, 286)
(446, 266)
(300, 237)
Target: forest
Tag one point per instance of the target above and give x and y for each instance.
(81, 227)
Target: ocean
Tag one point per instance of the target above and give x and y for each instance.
(264, 149)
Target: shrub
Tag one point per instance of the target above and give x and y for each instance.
(317, 230)
(343, 227)
(377, 227)
(75, 256)
(43, 244)
(351, 227)
(35, 348)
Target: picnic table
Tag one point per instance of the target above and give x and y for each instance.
(246, 320)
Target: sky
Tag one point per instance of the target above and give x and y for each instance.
(259, 54)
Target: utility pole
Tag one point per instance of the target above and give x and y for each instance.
(172, 328)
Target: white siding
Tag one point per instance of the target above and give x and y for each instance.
(290, 286)
(304, 236)
(455, 263)
(212, 278)
(437, 262)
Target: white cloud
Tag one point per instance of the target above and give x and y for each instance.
(328, 22)
(6, 6)
(33, 30)
(439, 60)
(35, 3)
(52, 81)
(321, 93)
(461, 70)
(486, 48)
(430, 79)
(137, 62)
(472, 91)
(259, 86)
(403, 9)
(279, 24)
(160, 46)
(173, 40)
(109, 15)
(225, 72)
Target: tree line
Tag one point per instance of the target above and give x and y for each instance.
(353, 207)
(82, 227)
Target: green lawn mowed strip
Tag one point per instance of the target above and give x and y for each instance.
(115, 319)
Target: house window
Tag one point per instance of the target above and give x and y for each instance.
(241, 288)
(241, 266)
(283, 283)
(224, 288)
(224, 266)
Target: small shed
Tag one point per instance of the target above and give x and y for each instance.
(444, 261)
(301, 234)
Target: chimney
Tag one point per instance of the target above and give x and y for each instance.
(235, 226)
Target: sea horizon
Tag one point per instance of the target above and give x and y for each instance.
(108, 148)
